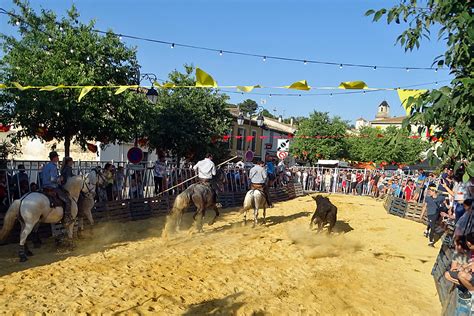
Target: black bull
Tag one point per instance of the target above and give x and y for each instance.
(325, 213)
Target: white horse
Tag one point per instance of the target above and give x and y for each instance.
(87, 199)
(255, 199)
(35, 207)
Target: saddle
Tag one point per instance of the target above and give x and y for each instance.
(53, 197)
(257, 186)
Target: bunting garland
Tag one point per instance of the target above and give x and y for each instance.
(205, 80)
(291, 136)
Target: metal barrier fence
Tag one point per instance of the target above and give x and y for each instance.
(358, 181)
(126, 181)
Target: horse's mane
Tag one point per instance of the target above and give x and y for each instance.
(74, 185)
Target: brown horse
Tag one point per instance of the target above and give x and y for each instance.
(199, 195)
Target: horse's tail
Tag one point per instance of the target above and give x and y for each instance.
(10, 218)
(173, 219)
(248, 201)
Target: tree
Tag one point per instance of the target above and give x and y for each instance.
(248, 106)
(267, 113)
(448, 109)
(189, 122)
(52, 51)
(367, 143)
(327, 138)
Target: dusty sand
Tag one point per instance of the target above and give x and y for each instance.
(374, 264)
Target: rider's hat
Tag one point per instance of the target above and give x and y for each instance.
(53, 154)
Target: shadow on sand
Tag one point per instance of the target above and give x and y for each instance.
(222, 306)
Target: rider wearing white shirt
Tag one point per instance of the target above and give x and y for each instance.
(206, 169)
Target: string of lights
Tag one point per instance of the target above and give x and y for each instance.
(268, 56)
(221, 52)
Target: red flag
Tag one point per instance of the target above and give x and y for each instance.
(4, 128)
(249, 138)
(92, 147)
(226, 138)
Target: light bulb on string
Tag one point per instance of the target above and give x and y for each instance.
(375, 67)
(72, 50)
(61, 28)
(88, 58)
(330, 95)
(305, 62)
(270, 95)
(172, 45)
(17, 23)
(340, 66)
(220, 53)
(436, 83)
(436, 69)
(408, 69)
(120, 37)
(264, 58)
(50, 39)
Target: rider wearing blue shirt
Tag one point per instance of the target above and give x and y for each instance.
(50, 180)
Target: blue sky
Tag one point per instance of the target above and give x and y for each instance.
(334, 31)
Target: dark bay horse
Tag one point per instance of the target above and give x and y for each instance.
(199, 195)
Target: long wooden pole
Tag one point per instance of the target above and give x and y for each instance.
(177, 185)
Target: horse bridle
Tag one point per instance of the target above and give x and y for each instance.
(85, 184)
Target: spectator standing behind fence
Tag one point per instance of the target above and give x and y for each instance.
(159, 174)
(109, 181)
(270, 172)
(20, 182)
(459, 194)
(66, 169)
(119, 181)
(409, 190)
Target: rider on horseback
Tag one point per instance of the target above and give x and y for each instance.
(206, 169)
(258, 178)
(50, 179)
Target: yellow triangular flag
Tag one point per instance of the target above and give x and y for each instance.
(84, 91)
(20, 87)
(51, 88)
(203, 79)
(169, 85)
(3, 86)
(121, 89)
(299, 85)
(353, 85)
(405, 95)
(247, 88)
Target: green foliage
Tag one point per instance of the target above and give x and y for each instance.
(189, 122)
(320, 124)
(370, 144)
(296, 120)
(267, 113)
(51, 51)
(448, 109)
(248, 106)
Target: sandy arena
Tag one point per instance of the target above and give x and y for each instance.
(375, 263)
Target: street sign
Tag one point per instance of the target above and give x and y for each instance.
(249, 155)
(283, 145)
(135, 155)
(282, 155)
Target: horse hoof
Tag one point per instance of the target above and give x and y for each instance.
(28, 253)
(23, 258)
(211, 223)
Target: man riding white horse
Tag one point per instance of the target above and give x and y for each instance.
(206, 170)
(258, 179)
(50, 180)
